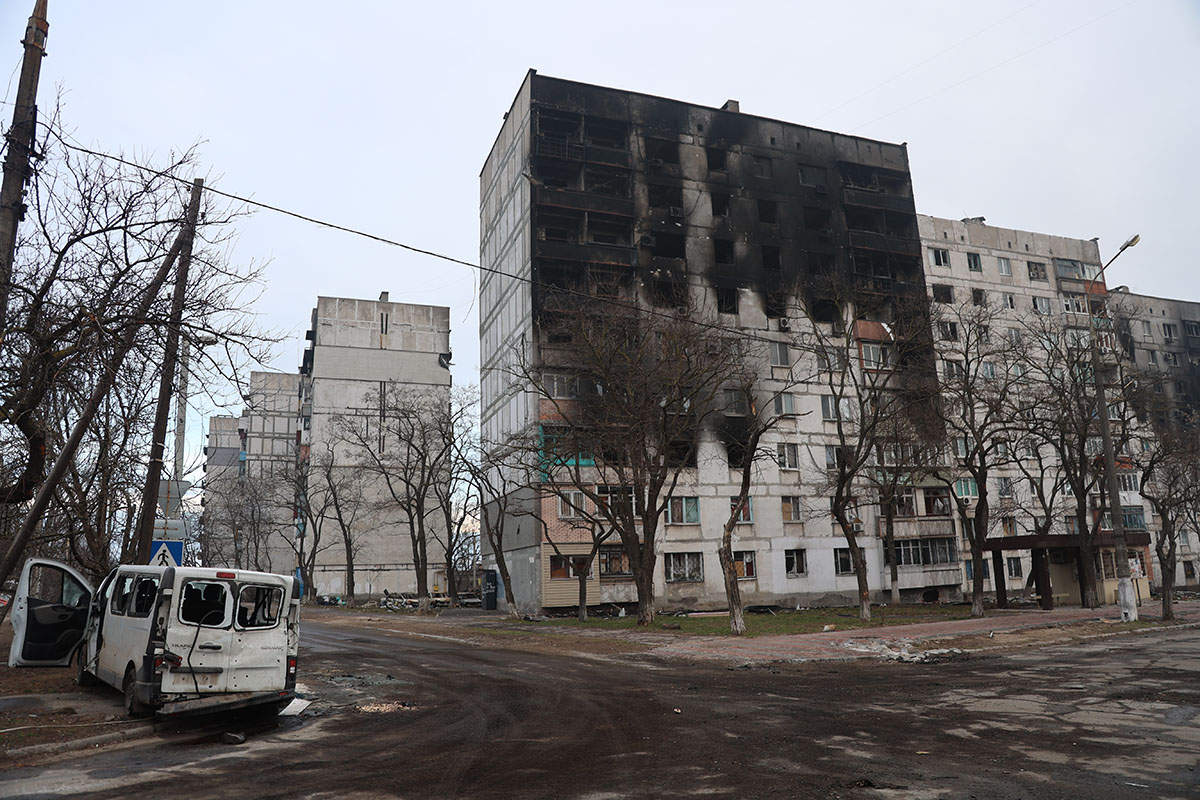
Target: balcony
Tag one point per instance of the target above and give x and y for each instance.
(918, 527)
(879, 200)
(590, 253)
(885, 243)
(585, 201)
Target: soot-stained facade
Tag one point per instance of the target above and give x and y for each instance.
(670, 205)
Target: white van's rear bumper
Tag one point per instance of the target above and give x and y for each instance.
(216, 703)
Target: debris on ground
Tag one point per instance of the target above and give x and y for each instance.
(229, 737)
(904, 651)
(384, 708)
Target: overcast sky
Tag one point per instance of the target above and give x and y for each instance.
(1072, 118)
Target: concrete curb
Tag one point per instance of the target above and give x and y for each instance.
(51, 748)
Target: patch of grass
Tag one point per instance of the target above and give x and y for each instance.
(780, 623)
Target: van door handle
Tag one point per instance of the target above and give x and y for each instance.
(210, 646)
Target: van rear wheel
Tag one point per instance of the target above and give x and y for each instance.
(133, 706)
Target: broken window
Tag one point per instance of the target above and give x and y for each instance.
(811, 176)
(122, 591)
(609, 183)
(662, 151)
(937, 501)
(205, 603)
(665, 196)
(1041, 305)
(768, 211)
(939, 257)
(948, 331)
(567, 567)
(727, 300)
(668, 293)
(259, 606)
(1037, 271)
(790, 506)
(787, 455)
(716, 159)
(843, 564)
(974, 262)
(683, 567)
(720, 204)
(743, 564)
(606, 133)
(775, 304)
(746, 513)
(558, 176)
(614, 233)
(144, 595)
(943, 293)
(978, 297)
(816, 219)
(770, 256)
(553, 227)
(762, 167)
(614, 561)
(723, 251)
(667, 245)
(795, 563)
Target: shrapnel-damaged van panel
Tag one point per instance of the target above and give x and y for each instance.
(174, 639)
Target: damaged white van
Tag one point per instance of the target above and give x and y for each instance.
(175, 640)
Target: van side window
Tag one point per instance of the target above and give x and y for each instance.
(143, 597)
(204, 603)
(122, 591)
(258, 606)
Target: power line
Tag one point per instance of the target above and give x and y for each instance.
(62, 138)
(996, 66)
(920, 64)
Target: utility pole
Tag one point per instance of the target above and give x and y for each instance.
(162, 410)
(19, 141)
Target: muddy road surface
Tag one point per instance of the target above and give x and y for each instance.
(398, 716)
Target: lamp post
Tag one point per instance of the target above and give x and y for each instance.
(1126, 598)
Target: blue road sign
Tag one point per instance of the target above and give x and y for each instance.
(166, 553)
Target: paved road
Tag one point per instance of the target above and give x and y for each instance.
(1112, 718)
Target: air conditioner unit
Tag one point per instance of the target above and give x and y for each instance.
(656, 162)
(676, 211)
(857, 527)
(821, 189)
(649, 241)
(785, 324)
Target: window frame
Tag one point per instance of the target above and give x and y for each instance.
(799, 557)
(672, 573)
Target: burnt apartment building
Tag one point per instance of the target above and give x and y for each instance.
(673, 205)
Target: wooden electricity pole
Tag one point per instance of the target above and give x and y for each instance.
(19, 142)
(154, 468)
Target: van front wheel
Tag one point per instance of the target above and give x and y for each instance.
(133, 706)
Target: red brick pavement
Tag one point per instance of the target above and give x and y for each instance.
(865, 643)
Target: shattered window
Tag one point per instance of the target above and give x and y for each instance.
(205, 603)
(258, 606)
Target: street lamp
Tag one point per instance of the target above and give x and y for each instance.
(1126, 598)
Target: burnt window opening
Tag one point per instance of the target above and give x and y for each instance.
(775, 304)
(816, 219)
(978, 297)
(559, 176)
(723, 251)
(606, 182)
(720, 204)
(608, 284)
(665, 196)
(863, 219)
(559, 227)
(666, 245)
(820, 264)
(872, 265)
(727, 300)
(611, 233)
(768, 211)
(943, 293)
(681, 453)
(558, 127)
(858, 176)
(716, 159)
(770, 257)
(762, 168)
(735, 454)
(811, 176)
(826, 311)
(662, 151)
(668, 294)
(606, 133)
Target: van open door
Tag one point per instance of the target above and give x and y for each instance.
(49, 614)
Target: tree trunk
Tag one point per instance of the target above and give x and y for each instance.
(1087, 562)
(859, 560)
(643, 581)
(889, 533)
(1165, 545)
(977, 563)
(737, 620)
(582, 577)
(349, 567)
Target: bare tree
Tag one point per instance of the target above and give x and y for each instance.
(624, 394)
(455, 421)
(981, 371)
(500, 474)
(871, 361)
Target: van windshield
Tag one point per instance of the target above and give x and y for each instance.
(258, 606)
(205, 603)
